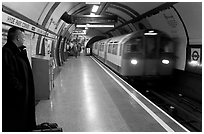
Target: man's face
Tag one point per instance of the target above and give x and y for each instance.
(20, 38)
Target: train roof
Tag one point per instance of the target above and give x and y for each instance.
(123, 38)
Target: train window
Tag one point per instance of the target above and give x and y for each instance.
(115, 41)
(115, 48)
(167, 48)
(134, 45)
(151, 47)
(120, 53)
(96, 46)
(109, 48)
(101, 47)
(166, 45)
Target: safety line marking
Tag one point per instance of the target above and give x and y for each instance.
(159, 120)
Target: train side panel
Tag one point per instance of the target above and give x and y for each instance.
(114, 62)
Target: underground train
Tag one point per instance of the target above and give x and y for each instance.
(144, 53)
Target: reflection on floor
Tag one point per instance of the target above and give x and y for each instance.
(86, 99)
(79, 101)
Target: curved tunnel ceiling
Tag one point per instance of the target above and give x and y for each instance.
(180, 20)
(48, 14)
(43, 12)
(122, 10)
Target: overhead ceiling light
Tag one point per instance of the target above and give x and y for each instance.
(88, 25)
(92, 14)
(93, 3)
(95, 8)
(150, 33)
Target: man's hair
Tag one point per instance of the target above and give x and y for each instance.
(12, 32)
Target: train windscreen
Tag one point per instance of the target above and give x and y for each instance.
(151, 46)
(166, 45)
(134, 45)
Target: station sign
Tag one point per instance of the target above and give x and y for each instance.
(79, 32)
(14, 21)
(195, 54)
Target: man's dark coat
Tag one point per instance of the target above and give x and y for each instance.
(18, 96)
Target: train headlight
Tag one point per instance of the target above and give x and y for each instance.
(165, 61)
(133, 61)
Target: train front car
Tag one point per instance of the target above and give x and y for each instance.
(167, 56)
(147, 54)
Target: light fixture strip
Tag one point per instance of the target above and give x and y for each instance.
(150, 33)
(95, 8)
(94, 25)
(92, 3)
(92, 14)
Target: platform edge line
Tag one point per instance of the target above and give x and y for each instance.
(142, 96)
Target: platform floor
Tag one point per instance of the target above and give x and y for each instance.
(86, 98)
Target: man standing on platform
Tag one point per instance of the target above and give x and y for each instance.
(18, 97)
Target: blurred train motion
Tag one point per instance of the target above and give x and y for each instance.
(146, 53)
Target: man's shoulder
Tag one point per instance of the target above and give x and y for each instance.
(7, 49)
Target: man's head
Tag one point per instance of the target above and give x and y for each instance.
(16, 35)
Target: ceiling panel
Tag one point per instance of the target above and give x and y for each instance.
(31, 10)
(119, 13)
(142, 7)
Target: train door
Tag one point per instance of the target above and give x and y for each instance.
(106, 49)
(98, 48)
(151, 55)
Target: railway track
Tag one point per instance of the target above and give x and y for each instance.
(183, 109)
